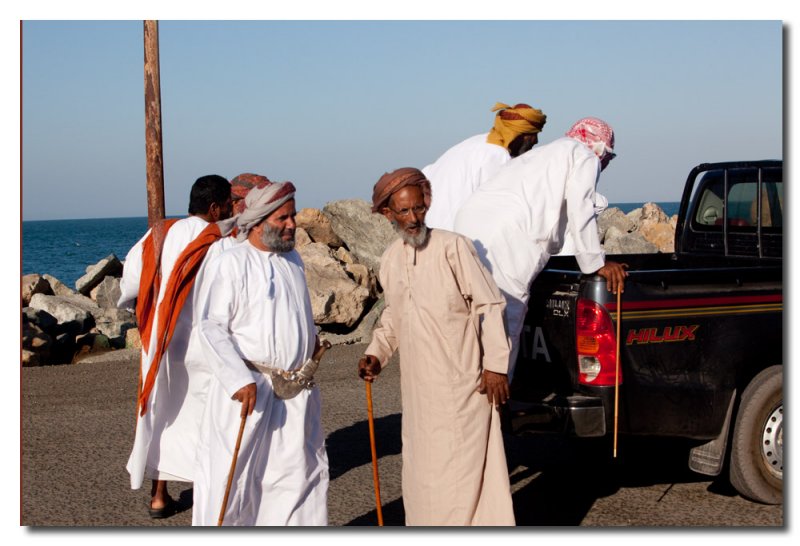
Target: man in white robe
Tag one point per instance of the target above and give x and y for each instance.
(519, 218)
(170, 398)
(445, 315)
(255, 316)
(464, 167)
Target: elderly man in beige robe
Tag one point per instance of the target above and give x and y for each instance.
(445, 315)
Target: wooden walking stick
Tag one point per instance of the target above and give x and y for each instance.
(616, 371)
(375, 479)
(233, 468)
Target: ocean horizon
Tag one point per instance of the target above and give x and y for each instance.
(65, 248)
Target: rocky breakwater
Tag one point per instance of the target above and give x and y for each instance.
(341, 246)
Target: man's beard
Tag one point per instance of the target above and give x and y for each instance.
(271, 238)
(415, 241)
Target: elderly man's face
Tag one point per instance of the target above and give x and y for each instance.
(406, 211)
(276, 232)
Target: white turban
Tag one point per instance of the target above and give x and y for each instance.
(261, 201)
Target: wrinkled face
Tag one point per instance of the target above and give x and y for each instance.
(406, 211)
(276, 232)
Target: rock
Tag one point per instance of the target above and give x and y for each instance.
(75, 314)
(110, 265)
(90, 344)
(115, 323)
(107, 293)
(40, 318)
(616, 218)
(335, 297)
(361, 274)
(618, 242)
(318, 226)
(36, 342)
(132, 339)
(366, 234)
(301, 238)
(29, 359)
(34, 284)
(662, 235)
(59, 288)
(362, 333)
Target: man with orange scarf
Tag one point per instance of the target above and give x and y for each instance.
(159, 273)
(466, 166)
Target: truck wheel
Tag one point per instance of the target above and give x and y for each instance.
(756, 469)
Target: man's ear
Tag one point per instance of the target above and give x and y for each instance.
(387, 213)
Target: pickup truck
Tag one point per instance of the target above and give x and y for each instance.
(701, 344)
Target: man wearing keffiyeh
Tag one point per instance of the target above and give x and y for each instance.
(466, 166)
(444, 314)
(522, 216)
(253, 318)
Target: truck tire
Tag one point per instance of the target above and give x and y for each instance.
(756, 469)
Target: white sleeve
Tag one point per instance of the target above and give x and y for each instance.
(221, 288)
(131, 274)
(580, 196)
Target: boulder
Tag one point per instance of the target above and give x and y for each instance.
(40, 318)
(33, 284)
(132, 339)
(362, 333)
(107, 293)
(366, 234)
(75, 314)
(318, 226)
(110, 265)
(29, 359)
(616, 218)
(335, 297)
(301, 238)
(90, 344)
(662, 235)
(114, 323)
(59, 288)
(36, 343)
(619, 242)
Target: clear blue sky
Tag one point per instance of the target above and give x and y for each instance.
(332, 105)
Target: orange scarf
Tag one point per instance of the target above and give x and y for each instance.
(177, 290)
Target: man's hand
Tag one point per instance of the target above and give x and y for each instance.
(368, 368)
(247, 396)
(495, 387)
(614, 274)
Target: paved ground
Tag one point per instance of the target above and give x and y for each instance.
(77, 430)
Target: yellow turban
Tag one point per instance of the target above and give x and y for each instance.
(510, 122)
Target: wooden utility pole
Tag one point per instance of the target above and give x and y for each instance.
(152, 113)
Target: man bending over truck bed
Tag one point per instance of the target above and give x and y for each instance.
(518, 219)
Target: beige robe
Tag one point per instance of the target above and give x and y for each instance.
(445, 315)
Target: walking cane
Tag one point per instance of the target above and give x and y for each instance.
(374, 454)
(230, 474)
(616, 371)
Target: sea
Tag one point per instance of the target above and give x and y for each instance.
(65, 248)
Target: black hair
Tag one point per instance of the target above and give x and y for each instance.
(207, 190)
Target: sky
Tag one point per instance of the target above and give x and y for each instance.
(331, 105)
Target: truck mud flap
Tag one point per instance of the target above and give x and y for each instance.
(707, 459)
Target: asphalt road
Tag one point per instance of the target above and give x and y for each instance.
(77, 431)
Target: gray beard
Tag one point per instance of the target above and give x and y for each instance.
(414, 241)
(271, 238)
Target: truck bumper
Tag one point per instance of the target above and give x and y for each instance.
(577, 415)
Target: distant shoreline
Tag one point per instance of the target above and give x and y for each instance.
(624, 207)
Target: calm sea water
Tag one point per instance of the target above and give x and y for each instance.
(65, 248)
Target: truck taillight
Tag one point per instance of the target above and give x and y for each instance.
(596, 344)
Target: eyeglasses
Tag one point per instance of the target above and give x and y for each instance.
(418, 211)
